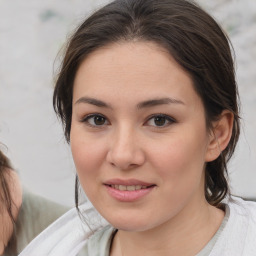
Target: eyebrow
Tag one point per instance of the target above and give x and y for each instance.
(93, 101)
(156, 102)
(144, 104)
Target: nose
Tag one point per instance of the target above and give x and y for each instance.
(125, 151)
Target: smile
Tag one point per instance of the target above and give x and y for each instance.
(128, 188)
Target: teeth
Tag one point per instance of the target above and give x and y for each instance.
(122, 188)
(128, 188)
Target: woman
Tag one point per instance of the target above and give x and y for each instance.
(23, 215)
(149, 103)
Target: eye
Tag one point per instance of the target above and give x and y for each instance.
(160, 120)
(95, 120)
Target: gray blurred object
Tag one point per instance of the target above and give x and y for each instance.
(31, 34)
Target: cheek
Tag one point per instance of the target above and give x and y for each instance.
(86, 161)
(181, 168)
(180, 160)
(88, 155)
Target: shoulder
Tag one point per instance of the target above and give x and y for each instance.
(38, 211)
(243, 217)
(243, 214)
(241, 209)
(36, 214)
(41, 205)
(239, 235)
(99, 243)
(67, 235)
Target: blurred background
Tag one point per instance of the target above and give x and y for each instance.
(31, 34)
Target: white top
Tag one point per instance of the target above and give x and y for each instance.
(68, 235)
(239, 236)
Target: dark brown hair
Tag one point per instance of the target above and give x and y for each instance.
(5, 196)
(6, 202)
(190, 35)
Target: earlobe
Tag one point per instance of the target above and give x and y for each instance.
(220, 135)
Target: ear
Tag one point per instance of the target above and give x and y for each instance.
(220, 135)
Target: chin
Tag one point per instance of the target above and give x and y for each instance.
(130, 224)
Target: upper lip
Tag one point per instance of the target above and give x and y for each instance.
(128, 182)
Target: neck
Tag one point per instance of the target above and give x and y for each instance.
(185, 234)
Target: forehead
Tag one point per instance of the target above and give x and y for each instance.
(131, 69)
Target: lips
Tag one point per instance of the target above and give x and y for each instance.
(128, 190)
(129, 182)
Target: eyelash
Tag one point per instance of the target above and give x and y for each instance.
(87, 118)
(167, 120)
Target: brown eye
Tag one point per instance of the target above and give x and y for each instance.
(160, 120)
(99, 120)
(95, 120)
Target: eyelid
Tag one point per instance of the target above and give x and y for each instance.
(170, 119)
(88, 116)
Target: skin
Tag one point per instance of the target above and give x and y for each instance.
(6, 226)
(173, 218)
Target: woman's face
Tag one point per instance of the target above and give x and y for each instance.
(138, 136)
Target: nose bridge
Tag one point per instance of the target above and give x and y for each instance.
(125, 136)
(125, 150)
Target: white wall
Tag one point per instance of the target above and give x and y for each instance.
(31, 34)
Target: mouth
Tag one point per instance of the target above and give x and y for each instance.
(129, 188)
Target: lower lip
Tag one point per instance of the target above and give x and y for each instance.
(128, 196)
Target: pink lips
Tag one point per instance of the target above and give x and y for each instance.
(116, 189)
